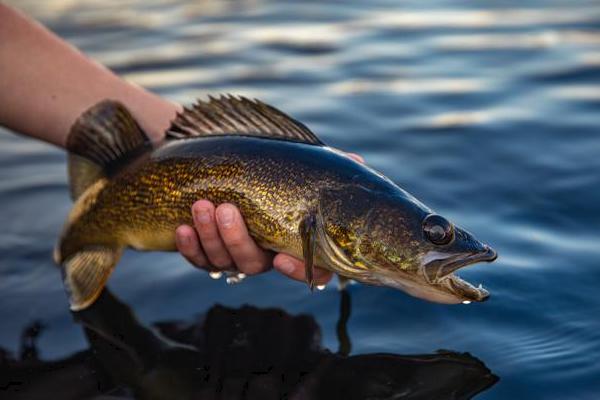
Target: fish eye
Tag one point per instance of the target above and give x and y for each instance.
(438, 229)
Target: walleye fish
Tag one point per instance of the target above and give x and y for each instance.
(297, 196)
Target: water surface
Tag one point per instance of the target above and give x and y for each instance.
(487, 112)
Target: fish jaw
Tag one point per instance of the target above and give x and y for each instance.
(438, 265)
(439, 270)
(419, 288)
(426, 284)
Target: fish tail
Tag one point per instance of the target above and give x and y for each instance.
(85, 274)
(103, 140)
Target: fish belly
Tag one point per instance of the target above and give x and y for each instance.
(148, 240)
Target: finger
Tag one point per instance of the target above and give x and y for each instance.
(188, 245)
(294, 268)
(206, 226)
(247, 256)
(356, 157)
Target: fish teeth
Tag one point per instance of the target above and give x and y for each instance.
(321, 287)
(480, 286)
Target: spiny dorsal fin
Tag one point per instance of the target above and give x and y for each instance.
(229, 115)
(102, 140)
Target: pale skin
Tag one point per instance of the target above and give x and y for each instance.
(45, 84)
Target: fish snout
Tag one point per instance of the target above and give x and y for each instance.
(488, 254)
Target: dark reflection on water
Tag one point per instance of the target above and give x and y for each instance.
(486, 111)
(230, 353)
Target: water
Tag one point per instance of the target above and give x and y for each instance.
(487, 112)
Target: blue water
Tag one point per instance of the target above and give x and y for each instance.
(488, 112)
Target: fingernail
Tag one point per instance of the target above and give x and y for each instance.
(203, 216)
(225, 216)
(287, 267)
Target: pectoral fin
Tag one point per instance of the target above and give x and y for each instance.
(309, 245)
(85, 274)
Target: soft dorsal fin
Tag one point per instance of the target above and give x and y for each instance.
(104, 138)
(229, 115)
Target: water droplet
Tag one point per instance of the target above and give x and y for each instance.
(234, 277)
(321, 287)
(215, 274)
(466, 302)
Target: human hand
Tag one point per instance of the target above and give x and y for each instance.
(219, 240)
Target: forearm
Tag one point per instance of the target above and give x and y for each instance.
(45, 84)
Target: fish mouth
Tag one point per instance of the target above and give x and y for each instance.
(442, 272)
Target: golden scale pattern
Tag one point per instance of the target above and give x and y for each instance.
(142, 206)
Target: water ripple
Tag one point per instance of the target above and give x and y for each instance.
(488, 112)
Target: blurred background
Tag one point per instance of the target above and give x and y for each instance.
(488, 112)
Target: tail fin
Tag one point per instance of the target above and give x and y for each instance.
(103, 139)
(85, 274)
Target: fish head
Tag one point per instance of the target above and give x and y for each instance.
(395, 240)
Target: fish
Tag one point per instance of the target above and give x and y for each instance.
(296, 194)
